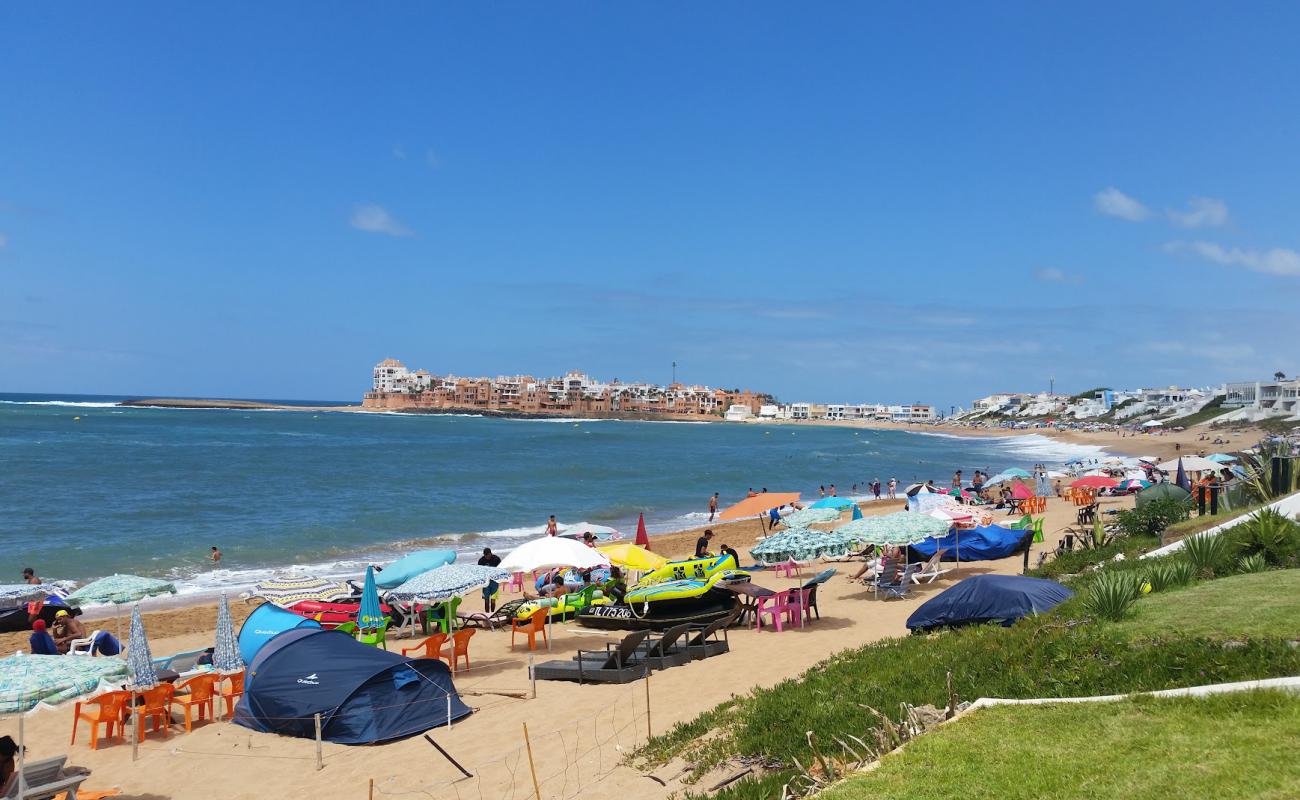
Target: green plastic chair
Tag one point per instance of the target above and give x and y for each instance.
(1038, 529)
(376, 636)
(443, 616)
(350, 628)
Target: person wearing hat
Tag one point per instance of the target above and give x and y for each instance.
(42, 644)
(66, 629)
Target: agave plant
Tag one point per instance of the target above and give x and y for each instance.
(1207, 552)
(1181, 571)
(1161, 575)
(1268, 534)
(1113, 594)
(1255, 562)
(1258, 468)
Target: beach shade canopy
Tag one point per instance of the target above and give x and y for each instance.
(14, 595)
(119, 589)
(138, 657)
(27, 681)
(550, 552)
(810, 516)
(1008, 474)
(369, 615)
(1221, 458)
(1152, 423)
(988, 598)
(446, 582)
(1149, 459)
(1020, 491)
(898, 529)
(1096, 482)
(1190, 463)
(800, 545)
(287, 591)
(984, 543)
(642, 537)
(363, 694)
(1162, 491)
(839, 503)
(225, 655)
(265, 623)
(633, 557)
(412, 564)
(758, 504)
(601, 532)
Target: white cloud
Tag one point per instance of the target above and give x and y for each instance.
(1202, 212)
(376, 219)
(1056, 275)
(1114, 203)
(1274, 261)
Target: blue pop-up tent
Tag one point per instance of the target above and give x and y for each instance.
(988, 598)
(363, 694)
(412, 564)
(986, 543)
(266, 622)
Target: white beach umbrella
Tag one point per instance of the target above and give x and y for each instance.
(1191, 464)
(551, 552)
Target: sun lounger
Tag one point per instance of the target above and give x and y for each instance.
(900, 589)
(501, 617)
(620, 664)
(180, 662)
(931, 570)
(705, 642)
(669, 650)
(44, 780)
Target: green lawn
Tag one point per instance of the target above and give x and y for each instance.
(1239, 746)
(1257, 604)
(1187, 527)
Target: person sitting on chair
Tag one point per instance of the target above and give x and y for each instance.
(66, 629)
(42, 643)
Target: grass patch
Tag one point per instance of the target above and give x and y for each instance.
(1258, 605)
(1193, 525)
(1075, 561)
(1238, 745)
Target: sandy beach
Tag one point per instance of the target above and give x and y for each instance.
(579, 734)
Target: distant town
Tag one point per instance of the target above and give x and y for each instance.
(395, 388)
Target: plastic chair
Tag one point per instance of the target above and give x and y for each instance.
(430, 647)
(774, 606)
(1038, 529)
(350, 628)
(460, 647)
(535, 624)
(788, 568)
(108, 710)
(232, 692)
(83, 647)
(516, 582)
(374, 636)
(201, 697)
(157, 707)
(799, 606)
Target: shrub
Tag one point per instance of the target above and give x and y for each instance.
(1181, 571)
(1075, 561)
(1113, 594)
(1255, 562)
(1207, 553)
(1152, 518)
(1270, 535)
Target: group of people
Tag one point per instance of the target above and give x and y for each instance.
(703, 543)
(55, 639)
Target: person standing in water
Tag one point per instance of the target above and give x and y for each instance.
(552, 528)
(215, 555)
(713, 506)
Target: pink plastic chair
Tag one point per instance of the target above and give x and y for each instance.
(798, 606)
(775, 606)
(517, 582)
(787, 568)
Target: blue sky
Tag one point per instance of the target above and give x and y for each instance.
(845, 202)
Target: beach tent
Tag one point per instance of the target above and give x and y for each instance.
(408, 566)
(1162, 491)
(267, 621)
(988, 598)
(1152, 423)
(363, 694)
(984, 543)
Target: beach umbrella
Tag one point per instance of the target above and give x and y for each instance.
(1019, 491)
(1190, 464)
(225, 656)
(800, 544)
(138, 658)
(1152, 423)
(577, 529)
(642, 538)
(287, 591)
(412, 564)
(1096, 482)
(919, 488)
(445, 582)
(14, 595)
(1008, 474)
(551, 552)
(962, 493)
(809, 516)
(897, 529)
(1162, 491)
(1221, 458)
(369, 615)
(119, 589)
(758, 505)
(837, 503)
(633, 557)
(1134, 484)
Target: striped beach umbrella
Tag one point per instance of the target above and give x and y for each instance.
(138, 658)
(800, 544)
(287, 591)
(225, 656)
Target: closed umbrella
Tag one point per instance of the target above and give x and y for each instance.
(857, 512)
(642, 537)
(225, 656)
(445, 582)
(369, 615)
(138, 658)
(809, 516)
(287, 591)
(1182, 480)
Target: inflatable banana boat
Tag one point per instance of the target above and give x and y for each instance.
(562, 608)
(693, 590)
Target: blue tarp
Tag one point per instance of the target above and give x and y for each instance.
(363, 694)
(989, 598)
(987, 543)
(408, 566)
(266, 621)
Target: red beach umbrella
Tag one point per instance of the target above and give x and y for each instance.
(642, 538)
(1019, 491)
(1096, 482)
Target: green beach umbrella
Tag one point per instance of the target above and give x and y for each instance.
(799, 544)
(809, 516)
(118, 589)
(898, 529)
(27, 681)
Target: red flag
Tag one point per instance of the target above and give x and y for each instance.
(642, 538)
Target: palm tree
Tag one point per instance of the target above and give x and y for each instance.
(1279, 375)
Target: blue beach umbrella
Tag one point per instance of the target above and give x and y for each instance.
(1222, 458)
(138, 658)
(225, 656)
(370, 615)
(833, 502)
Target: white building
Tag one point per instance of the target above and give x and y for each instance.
(1274, 398)
(391, 375)
(771, 412)
(739, 413)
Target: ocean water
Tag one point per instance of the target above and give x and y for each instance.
(149, 491)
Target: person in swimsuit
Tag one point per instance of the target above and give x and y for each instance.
(552, 528)
(713, 506)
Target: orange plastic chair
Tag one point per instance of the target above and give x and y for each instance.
(157, 707)
(233, 691)
(460, 647)
(535, 624)
(430, 648)
(108, 710)
(201, 690)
